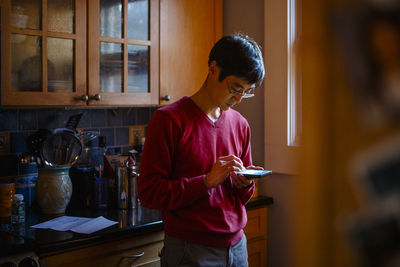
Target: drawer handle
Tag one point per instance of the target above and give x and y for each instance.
(134, 256)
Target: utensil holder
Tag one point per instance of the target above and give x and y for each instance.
(53, 189)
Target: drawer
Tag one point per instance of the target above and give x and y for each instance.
(146, 255)
(115, 253)
(256, 223)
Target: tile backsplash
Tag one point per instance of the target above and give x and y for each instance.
(18, 124)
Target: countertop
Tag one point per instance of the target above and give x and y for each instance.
(131, 222)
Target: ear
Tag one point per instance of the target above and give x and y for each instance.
(212, 68)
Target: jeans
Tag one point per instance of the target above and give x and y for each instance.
(178, 252)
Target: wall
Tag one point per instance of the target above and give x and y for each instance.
(18, 124)
(248, 18)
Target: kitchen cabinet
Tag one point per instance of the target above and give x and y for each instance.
(188, 30)
(144, 249)
(105, 53)
(78, 53)
(41, 48)
(140, 250)
(123, 52)
(256, 234)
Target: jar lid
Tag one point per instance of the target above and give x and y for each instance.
(19, 197)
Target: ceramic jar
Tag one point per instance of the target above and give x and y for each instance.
(53, 189)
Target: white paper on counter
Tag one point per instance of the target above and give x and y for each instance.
(80, 225)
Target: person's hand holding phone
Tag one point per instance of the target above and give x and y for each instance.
(221, 169)
(241, 181)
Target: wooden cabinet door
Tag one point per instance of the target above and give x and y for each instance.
(48, 46)
(123, 52)
(257, 253)
(42, 46)
(188, 30)
(256, 233)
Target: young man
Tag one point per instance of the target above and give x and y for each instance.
(193, 148)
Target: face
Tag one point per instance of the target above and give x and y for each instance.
(229, 91)
(234, 90)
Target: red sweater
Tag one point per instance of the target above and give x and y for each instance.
(182, 144)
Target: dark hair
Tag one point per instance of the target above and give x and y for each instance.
(238, 55)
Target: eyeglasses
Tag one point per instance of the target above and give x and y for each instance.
(243, 94)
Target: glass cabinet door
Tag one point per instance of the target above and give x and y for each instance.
(123, 39)
(46, 52)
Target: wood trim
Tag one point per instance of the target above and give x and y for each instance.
(123, 99)
(26, 31)
(53, 34)
(44, 46)
(154, 72)
(93, 48)
(125, 48)
(139, 42)
(80, 48)
(124, 40)
(5, 49)
(48, 99)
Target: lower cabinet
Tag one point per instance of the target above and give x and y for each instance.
(256, 234)
(142, 250)
(137, 251)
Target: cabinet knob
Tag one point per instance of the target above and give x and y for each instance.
(83, 98)
(96, 97)
(166, 98)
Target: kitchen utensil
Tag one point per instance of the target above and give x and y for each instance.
(61, 149)
(84, 136)
(73, 121)
(34, 144)
(87, 136)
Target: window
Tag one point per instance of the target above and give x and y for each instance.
(294, 125)
(282, 86)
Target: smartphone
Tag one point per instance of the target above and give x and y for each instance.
(251, 173)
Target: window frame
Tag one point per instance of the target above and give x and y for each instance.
(282, 86)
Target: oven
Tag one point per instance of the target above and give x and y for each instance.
(25, 259)
(15, 251)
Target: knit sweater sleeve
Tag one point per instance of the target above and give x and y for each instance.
(156, 188)
(246, 193)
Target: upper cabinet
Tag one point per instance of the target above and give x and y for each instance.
(105, 52)
(42, 50)
(188, 31)
(123, 52)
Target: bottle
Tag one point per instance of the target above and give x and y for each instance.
(18, 209)
(103, 149)
(100, 189)
(122, 185)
